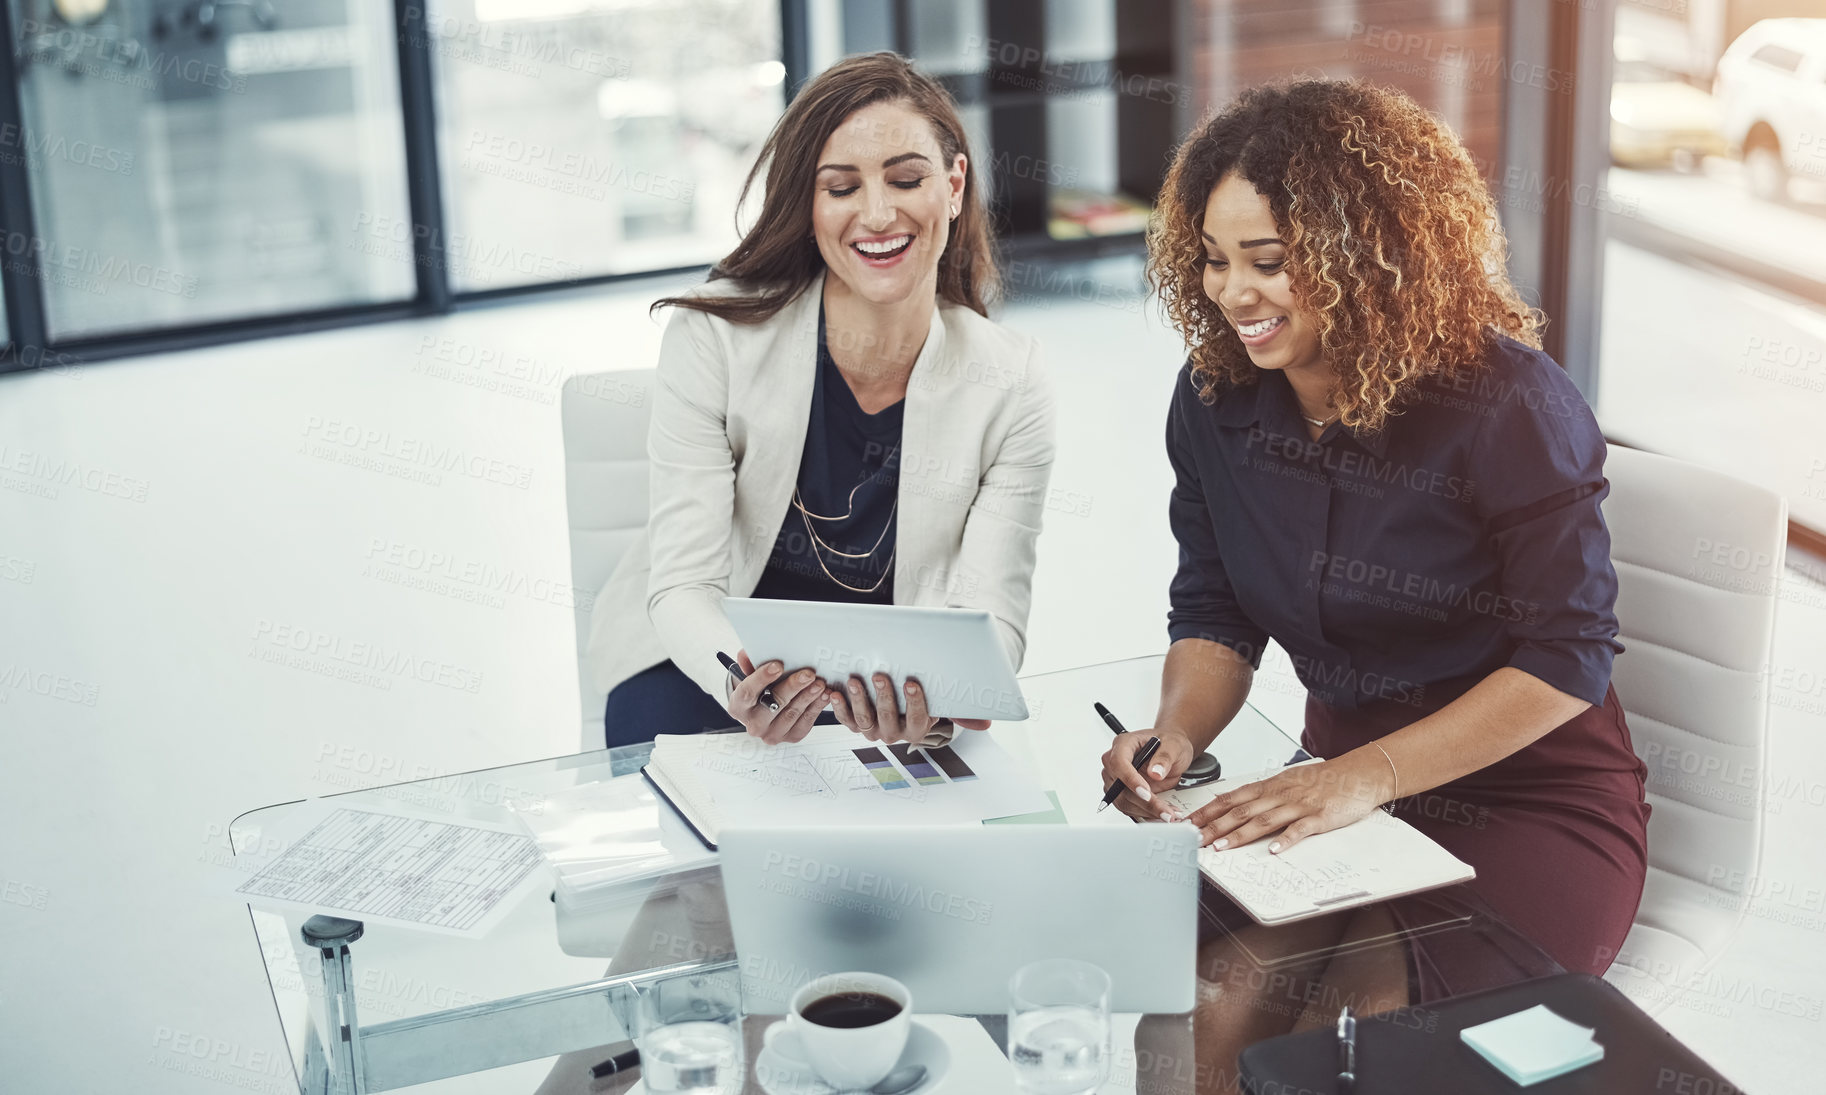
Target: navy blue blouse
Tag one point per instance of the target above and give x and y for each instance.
(849, 469)
(1464, 537)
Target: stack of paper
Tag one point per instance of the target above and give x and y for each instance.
(604, 840)
(1533, 1045)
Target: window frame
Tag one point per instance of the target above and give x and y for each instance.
(1537, 130)
(21, 278)
(1567, 133)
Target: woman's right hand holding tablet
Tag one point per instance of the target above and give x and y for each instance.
(1172, 758)
(800, 696)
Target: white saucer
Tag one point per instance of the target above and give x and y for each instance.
(925, 1046)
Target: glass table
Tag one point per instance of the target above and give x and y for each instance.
(529, 1006)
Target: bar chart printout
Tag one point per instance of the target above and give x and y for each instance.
(403, 870)
(883, 769)
(952, 764)
(859, 783)
(916, 765)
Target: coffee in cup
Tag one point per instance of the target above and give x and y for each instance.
(849, 1010)
(848, 1028)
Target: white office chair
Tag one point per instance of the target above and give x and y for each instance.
(605, 495)
(1698, 556)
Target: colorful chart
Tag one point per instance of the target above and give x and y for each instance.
(916, 764)
(883, 769)
(950, 763)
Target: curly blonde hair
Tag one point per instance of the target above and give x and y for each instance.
(1392, 240)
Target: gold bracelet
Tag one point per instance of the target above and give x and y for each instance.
(1392, 769)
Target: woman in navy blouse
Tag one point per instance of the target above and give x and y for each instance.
(1378, 468)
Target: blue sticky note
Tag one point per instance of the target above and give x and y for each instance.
(1534, 1045)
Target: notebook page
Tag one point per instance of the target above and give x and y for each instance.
(1375, 857)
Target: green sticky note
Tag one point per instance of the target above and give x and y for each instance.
(1054, 816)
(1534, 1045)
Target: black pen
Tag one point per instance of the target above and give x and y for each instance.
(1146, 754)
(1109, 719)
(735, 670)
(1347, 1052)
(621, 1062)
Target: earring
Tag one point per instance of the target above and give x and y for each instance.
(954, 212)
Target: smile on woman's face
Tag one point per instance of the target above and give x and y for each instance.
(881, 210)
(1246, 277)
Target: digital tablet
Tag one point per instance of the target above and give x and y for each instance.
(954, 653)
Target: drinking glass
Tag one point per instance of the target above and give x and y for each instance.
(1059, 1027)
(689, 1032)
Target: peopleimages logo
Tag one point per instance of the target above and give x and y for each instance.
(123, 59)
(37, 148)
(1417, 591)
(54, 686)
(38, 473)
(332, 439)
(451, 574)
(1360, 466)
(876, 887)
(564, 170)
(281, 642)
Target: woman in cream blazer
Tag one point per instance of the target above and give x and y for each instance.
(779, 384)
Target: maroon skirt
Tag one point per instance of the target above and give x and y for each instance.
(1557, 832)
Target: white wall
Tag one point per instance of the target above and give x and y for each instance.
(155, 609)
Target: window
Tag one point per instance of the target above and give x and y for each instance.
(1713, 332)
(597, 137)
(232, 161)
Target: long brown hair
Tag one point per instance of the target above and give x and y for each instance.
(1392, 240)
(777, 259)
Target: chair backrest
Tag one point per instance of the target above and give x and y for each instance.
(1698, 557)
(605, 496)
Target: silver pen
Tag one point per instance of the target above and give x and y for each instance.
(1347, 1052)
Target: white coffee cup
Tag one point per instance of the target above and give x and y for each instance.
(844, 1057)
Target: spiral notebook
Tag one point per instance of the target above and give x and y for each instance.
(1375, 858)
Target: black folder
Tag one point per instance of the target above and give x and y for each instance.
(1415, 1050)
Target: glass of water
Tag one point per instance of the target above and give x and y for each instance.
(689, 1033)
(1059, 1027)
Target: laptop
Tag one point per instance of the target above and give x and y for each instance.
(954, 911)
(954, 652)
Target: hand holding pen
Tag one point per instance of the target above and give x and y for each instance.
(1130, 756)
(770, 703)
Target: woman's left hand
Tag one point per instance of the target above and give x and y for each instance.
(872, 711)
(1302, 800)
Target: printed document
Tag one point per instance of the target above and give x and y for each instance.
(378, 868)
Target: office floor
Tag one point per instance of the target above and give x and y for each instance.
(186, 541)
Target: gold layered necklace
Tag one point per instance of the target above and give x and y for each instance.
(819, 545)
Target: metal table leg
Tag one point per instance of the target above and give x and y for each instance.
(331, 935)
(459, 1041)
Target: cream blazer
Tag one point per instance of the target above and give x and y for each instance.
(730, 410)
